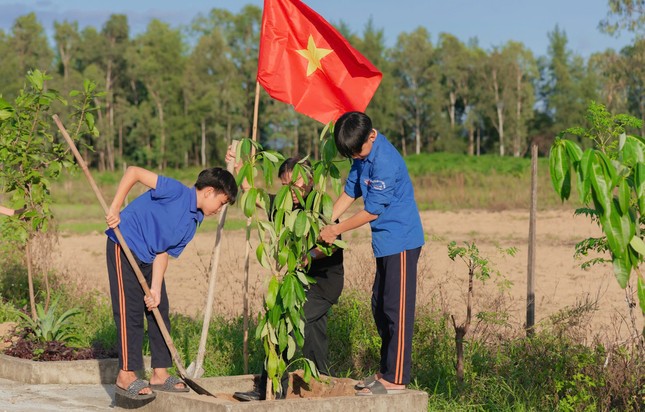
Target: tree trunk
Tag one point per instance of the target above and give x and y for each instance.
(30, 280)
(203, 148)
(452, 109)
(471, 139)
(518, 114)
(499, 106)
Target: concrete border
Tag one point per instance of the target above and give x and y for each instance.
(223, 387)
(91, 371)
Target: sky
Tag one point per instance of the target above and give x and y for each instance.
(492, 22)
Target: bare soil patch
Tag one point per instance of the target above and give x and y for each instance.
(560, 282)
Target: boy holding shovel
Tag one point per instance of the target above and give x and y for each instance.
(156, 225)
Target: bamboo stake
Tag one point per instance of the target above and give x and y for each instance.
(195, 369)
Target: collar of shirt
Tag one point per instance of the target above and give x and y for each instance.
(370, 157)
(198, 215)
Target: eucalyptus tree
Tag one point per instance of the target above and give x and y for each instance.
(413, 57)
(156, 59)
(609, 68)
(383, 108)
(565, 85)
(67, 38)
(29, 43)
(634, 75)
(624, 15)
(208, 85)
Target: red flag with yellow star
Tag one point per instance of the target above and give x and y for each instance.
(304, 61)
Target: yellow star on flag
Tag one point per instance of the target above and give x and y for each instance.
(313, 55)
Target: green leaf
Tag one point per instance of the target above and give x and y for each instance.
(560, 169)
(619, 229)
(301, 225)
(624, 195)
(272, 363)
(641, 293)
(639, 183)
(327, 206)
(601, 183)
(272, 157)
(638, 245)
(291, 347)
(272, 292)
(622, 269)
(249, 202)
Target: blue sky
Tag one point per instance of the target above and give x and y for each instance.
(493, 22)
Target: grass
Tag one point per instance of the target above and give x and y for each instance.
(442, 181)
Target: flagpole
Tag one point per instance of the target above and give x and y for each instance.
(247, 252)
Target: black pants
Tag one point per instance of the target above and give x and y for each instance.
(393, 303)
(320, 298)
(129, 310)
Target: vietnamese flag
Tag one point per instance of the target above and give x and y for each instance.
(304, 61)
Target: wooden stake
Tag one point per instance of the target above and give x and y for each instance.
(530, 278)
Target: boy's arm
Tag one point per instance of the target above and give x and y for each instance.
(329, 233)
(132, 176)
(342, 204)
(7, 211)
(159, 266)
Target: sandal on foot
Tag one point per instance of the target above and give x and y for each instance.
(132, 391)
(169, 385)
(366, 382)
(377, 388)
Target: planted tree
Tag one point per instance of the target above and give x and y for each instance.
(610, 181)
(284, 242)
(480, 268)
(30, 158)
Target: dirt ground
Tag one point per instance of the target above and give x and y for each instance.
(560, 285)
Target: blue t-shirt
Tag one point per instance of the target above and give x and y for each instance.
(382, 179)
(163, 219)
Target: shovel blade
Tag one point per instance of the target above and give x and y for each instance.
(193, 372)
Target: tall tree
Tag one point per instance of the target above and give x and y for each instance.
(157, 60)
(67, 39)
(413, 58)
(29, 44)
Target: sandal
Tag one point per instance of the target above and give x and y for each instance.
(377, 388)
(132, 391)
(366, 382)
(169, 385)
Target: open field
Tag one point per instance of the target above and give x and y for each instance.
(560, 283)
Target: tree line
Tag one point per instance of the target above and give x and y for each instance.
(176, 97)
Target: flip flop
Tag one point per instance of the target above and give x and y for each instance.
(169, 385)
(377, 388)
(132, 392)
(366, 382)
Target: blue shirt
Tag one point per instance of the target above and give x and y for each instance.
(382, 179)
(163, 219)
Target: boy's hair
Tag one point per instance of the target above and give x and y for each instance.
(219, 179)
(351, 131)
(288, 165)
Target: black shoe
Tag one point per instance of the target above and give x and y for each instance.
(247, 396)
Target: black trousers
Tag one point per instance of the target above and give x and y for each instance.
(393, 303)
(320, 298)
(129, 310)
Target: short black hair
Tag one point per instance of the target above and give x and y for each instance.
(219, 179)
(288, 165)
(351, 131)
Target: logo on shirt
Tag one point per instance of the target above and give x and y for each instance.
(375, 184)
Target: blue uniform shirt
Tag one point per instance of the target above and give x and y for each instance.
(382, 179)
(163, 219)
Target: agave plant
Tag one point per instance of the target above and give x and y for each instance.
(48, 327)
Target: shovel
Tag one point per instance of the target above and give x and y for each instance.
(162, 326)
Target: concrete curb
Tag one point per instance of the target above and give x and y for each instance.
(223, 387)
(91, 371)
